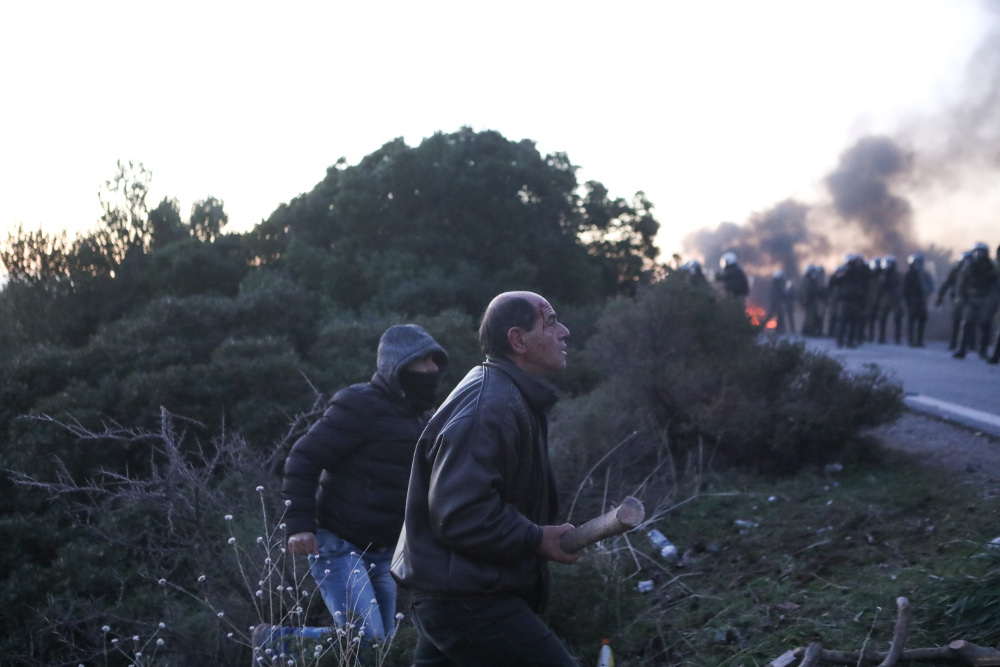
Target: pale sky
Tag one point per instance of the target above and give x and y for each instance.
(714, 109)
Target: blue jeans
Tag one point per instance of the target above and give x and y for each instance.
(494, 630)
(356, 582)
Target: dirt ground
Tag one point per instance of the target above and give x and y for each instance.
(971, 455)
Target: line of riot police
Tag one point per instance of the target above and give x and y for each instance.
(861, 300)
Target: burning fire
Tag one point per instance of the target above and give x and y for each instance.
(756, 314)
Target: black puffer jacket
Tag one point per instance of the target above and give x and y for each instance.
(350, 472)
(480, 490)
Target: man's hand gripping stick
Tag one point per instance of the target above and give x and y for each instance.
(624, 518)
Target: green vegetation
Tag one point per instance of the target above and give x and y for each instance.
(154, 372)
(824, 561)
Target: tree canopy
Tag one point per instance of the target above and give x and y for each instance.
(238, 333)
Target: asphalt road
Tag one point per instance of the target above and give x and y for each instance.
(965, 391)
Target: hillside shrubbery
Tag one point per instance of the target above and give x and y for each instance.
(688, 383)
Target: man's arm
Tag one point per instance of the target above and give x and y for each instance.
(468, 473)
(327, 444)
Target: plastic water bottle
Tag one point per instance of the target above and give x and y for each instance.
(667, 550)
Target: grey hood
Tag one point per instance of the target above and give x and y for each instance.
(401, 344)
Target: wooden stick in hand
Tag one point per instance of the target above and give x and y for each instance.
(620, 520)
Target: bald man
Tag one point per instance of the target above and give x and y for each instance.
(478, 531)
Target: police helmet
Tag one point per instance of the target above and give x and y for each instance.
(727, 259)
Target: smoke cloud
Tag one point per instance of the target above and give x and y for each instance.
(870, 191)
(860, 188)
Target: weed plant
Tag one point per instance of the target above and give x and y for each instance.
(770, 564)
(181, 600)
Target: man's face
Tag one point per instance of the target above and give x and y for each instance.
(424, 364)
(545, 344)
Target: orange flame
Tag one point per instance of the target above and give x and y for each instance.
(755, 313)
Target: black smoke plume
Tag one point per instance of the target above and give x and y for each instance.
(869, 210)
(774, 239)
(861, 190)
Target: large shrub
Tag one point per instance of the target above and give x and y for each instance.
(688, 380)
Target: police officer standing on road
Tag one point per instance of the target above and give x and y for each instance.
(918, 285)
(977, 283)
(995, 359)
(890, 299)
(734, 280)
(852, 283)
(949, 288)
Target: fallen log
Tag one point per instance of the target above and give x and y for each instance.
(959, 652)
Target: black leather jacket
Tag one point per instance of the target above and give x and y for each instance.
(480, 490)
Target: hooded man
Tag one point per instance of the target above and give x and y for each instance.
(345, 482)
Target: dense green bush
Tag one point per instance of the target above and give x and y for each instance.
(689, 382)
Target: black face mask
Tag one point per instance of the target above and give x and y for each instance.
(420, 388)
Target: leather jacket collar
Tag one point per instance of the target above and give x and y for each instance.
(538, 393)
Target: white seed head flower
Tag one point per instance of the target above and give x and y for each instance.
(267, 561)
(232, 540)
(260, 488)
(361, 632)
(229, 517)
(282, 526)
(326, 571)
(230, 635)
(201, 578)
(260, 540)
(114, 641)
(135, 638)
(260, 594)
(221, 614)
(399, 616)
(340, 632)
(261, 584)
(159, 642)
(288, 503)
(106, 628)
(162, 582)
(163, 626)
(356, 640)
(138, 654)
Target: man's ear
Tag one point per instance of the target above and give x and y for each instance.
(515, 336)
